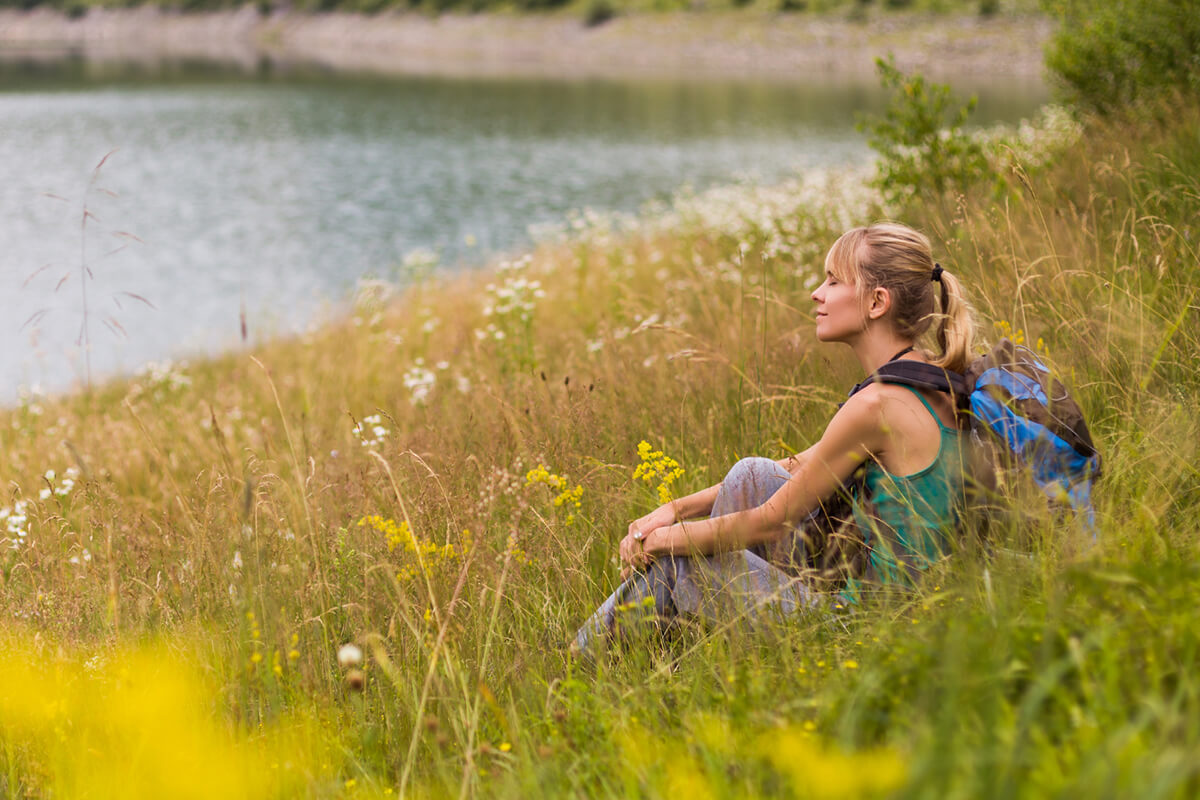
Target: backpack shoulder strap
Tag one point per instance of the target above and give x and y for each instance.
(919, 375)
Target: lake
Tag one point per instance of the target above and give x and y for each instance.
(271, 193)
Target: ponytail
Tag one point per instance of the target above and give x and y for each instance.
(956, 326)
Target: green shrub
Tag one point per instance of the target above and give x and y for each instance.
(922, 147)
(598, 12)
(1108, 55)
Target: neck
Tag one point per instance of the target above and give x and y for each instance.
(874, 351)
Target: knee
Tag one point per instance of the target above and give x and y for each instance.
(753, 469)
(749, 483)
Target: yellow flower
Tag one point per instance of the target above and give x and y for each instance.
(657, 466)
(565, 498)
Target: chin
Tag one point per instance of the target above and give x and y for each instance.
(826, 336)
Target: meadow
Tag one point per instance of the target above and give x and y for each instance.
(441, 480)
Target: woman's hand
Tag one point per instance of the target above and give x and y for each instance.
(638, 552)
(633, 547)
(658, 518)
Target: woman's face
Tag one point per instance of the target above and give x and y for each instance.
(840, 313)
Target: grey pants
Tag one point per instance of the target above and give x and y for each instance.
(714, 588)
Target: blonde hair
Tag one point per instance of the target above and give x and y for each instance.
(897, 258)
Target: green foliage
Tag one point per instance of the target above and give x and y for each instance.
(598, 12)
(923, 149)
(1111, 54)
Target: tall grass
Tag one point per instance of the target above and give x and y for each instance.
(250, 518)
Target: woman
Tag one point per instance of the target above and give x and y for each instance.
(701, 555)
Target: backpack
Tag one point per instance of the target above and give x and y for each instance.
(1019, 417)
(1022, 417)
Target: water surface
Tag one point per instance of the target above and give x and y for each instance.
(274, 192)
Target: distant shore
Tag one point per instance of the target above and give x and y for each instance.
(784, 47)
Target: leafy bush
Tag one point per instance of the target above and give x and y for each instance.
(598, 12)
(920, 139)
(1108, 55)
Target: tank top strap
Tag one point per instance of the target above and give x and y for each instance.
(943, 426)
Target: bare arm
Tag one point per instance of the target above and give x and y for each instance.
(695, 505)
(793, 463)
(853, 434)
(700, 504)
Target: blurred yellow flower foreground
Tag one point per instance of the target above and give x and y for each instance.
(136, 723)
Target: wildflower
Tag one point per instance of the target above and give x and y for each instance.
(160, 378)
(657, 466)
(237, 559)
(817, 771)
(513, 549)
(567, 497)
(371, 431)
(419, 380)
(422, 553)
(349, 655)
(510, 305)
(1006, 330)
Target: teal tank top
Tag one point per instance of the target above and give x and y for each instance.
(911, 517)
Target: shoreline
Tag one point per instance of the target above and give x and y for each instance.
(777, 47)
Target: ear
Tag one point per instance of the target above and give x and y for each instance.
(879, 302)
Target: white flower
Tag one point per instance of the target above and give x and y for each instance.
(237, 559)
(349, 655)
(371, 431)
(419, 380)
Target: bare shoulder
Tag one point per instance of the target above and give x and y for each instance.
(864, 411)
(894, 400)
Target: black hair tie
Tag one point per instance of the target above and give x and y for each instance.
(937, 273)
